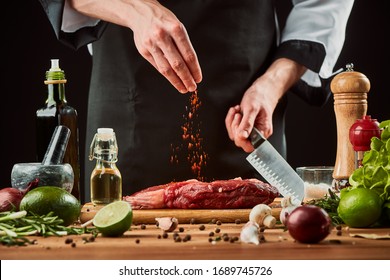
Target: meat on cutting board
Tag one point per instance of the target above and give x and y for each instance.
(193, 194)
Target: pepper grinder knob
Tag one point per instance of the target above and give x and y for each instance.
(349, 90)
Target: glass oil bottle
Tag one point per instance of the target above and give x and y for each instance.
(106, 179)
(55, 112)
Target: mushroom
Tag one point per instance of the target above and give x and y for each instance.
(262, 215)
(287, 208)
(250, 233)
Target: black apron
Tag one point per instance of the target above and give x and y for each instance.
(234, 41)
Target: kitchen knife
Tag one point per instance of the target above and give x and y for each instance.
(274, 168)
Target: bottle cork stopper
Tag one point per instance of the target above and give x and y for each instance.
(349, 90)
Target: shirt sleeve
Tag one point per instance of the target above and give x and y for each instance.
(72, 28)
(73, 20)
(314, 35)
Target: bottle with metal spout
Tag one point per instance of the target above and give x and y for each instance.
(55, 112)
(106, 179)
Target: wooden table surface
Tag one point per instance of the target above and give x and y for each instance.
(144, 243)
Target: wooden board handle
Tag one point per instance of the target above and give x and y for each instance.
(185, 216)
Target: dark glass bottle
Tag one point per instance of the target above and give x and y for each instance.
(57, 112)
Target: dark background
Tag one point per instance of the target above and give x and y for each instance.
(29, 43)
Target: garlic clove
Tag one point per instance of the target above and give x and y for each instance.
(250, 233)
(167, 223)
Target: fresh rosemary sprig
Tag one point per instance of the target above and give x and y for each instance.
(329, 203)
(15, 226)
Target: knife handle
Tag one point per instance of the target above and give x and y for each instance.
(256, 138)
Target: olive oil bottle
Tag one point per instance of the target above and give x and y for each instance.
(55, 112)
(106, 179)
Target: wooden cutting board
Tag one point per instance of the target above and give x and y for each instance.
(147, 216)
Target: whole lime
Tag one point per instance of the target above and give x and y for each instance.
(114, 219)
(360, 207)
(45, 199)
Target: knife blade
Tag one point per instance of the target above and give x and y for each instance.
(275, 169)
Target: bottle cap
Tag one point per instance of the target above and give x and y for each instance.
(55, 65)
(55, 73)
(104, 145)
(362, 131)
(105, 130)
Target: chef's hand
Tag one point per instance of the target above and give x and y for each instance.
(163, 41)
(159, 36)
(259, 102)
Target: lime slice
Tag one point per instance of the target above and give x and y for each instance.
(114, 219)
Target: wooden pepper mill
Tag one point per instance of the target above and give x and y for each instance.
(349, 90)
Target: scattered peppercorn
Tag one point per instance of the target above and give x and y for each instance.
(210, 240)
(214, 221)
(187, 237)
(143, 226)
(159, 236)
(192, 221)
(226, 238)
(219, 222)
(73, 245)
(262, 228)
(181, 229)
(237, 221)
(202, 227)
(165, 235)
(339, 227)
(211, 233)
(178, 239)
(68, 240)
(137, 241)
(217, 230)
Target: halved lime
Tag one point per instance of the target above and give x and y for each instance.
(114, 219)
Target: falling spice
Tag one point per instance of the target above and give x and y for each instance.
(191, 139)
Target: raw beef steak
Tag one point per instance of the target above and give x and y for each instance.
(193, 194)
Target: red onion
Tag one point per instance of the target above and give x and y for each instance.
(309, 224)
(10, 197)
